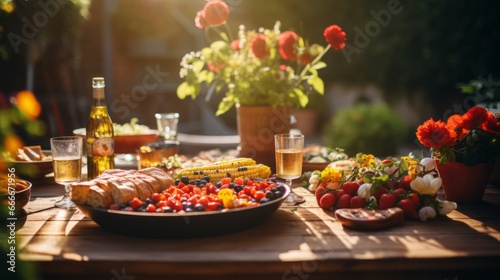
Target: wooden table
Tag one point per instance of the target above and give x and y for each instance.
(302, 243)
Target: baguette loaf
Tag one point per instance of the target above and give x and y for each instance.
(143, 189)
(122, 190)
(159, 174)
(80, 191)
(99, 198)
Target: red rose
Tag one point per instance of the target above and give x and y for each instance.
(287, 44)
(200, 20)
(436, 134)
(259, 46)
(335, 37)
(216, 12)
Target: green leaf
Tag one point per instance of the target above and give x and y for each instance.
(185, 89)
(224, 106)
(317, 84)
(301, 96)
(319, 65)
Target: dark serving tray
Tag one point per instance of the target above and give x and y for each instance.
(187, 225)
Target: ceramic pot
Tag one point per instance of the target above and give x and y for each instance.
(465, 184)
(257, 126)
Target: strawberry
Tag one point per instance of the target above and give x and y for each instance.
(408, 208)
(379, 192)
(338, 193)
(399, 191)
(319, 192)
(405, 183)
(344, 201)
(387, 200)
(357, 202)
(415, 199)
(350, 187)
(327, 201)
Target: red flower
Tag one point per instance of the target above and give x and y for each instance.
(215, 67)
(491, 125)
(335, 37)
(474, 117)
(305, 58)
(200, 20)
(235, 45)
(287, 44)
(216, 12)
(455, 122)
(259, 46)
(434, 134)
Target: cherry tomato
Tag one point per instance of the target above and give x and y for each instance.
(150, 208)
(135, 203)
(259, 195)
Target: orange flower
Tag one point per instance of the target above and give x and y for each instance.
(28, 105)
(491, 125)
(435, 134)
(455, 122)
(11, 143)
(335, 37)
(216, 12)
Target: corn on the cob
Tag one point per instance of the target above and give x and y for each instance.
(240, 167)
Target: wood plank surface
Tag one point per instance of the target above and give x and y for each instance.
(303, 242)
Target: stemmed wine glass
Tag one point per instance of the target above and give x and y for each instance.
(67, 162)
(288, 149)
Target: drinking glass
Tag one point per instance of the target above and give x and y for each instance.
(167, 125)
(288, 150)
(67, 161)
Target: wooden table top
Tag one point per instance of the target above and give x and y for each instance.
(303, 242)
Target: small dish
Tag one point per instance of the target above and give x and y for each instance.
(22, 194)
(33, 169)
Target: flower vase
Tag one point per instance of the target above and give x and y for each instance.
(463, 183)
(257, 126)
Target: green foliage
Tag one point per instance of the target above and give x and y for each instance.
(371, 129)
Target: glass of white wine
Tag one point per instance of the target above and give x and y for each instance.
(288, 150)
(67, 161)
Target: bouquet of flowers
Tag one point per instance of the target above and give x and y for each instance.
(257, 67)
(471, 138)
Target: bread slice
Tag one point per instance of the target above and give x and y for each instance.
(144, 190)
(155, 184)
(99, 198)
(122, 190)
(22, 156)
(80, 191)
(34, 152)
(159, 174)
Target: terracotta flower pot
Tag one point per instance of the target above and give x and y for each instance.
(257, 126)
(465, 184)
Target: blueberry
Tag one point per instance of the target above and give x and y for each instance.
(199, 207)
(149, 201)
(220, 207)
(270, 195)
(264, 200)
(188, 210)
(167, 209)
(238, 188)
(177, 181)
(231, 185)
(277, 193)
(281, 188)
(185, 179)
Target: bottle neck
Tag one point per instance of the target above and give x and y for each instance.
(98, 97)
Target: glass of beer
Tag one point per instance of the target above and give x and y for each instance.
(67, 162)
(288, 150)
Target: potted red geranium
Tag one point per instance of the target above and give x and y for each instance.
(264, 73)
(466, 147)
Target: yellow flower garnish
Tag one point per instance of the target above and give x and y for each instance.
(331, 175)
(367, 160)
